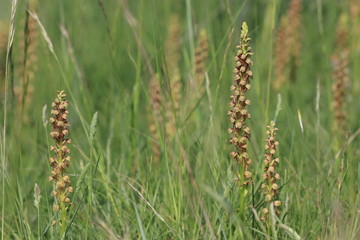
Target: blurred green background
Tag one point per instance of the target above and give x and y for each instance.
(100, 60)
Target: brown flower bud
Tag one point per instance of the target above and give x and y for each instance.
(247, 174)
(54, 134)
(268, 197)
(54, 112)
(66, 178)
(56, 208)
(238, 125)
(60, 185)
(265, 210)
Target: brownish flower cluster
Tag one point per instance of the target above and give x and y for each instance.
(354, 35)
(294, 31)
(355, 23)
(270, 177)
(201, 55)
(281, 54)
(354, 8)
(3, 36)
(3, 45)
(60, 162)
(28, 61)
(288, 45)
(239, 132)
(155, 117)
(341, 80)
(172, 55)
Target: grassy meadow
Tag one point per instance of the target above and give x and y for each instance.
(148, 88)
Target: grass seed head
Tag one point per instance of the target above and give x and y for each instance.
(37, 196)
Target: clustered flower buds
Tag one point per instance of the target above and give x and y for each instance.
(28, 64)
(172, 55)
(339, 90)
(340, 60)
(201, 55)
(288, 45)
(155, 117)
(3, 45)
(295, 31)
(270, 187)
(282, 54)
(239, 132)
(60, 162)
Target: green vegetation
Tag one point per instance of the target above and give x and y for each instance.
(148, 88)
